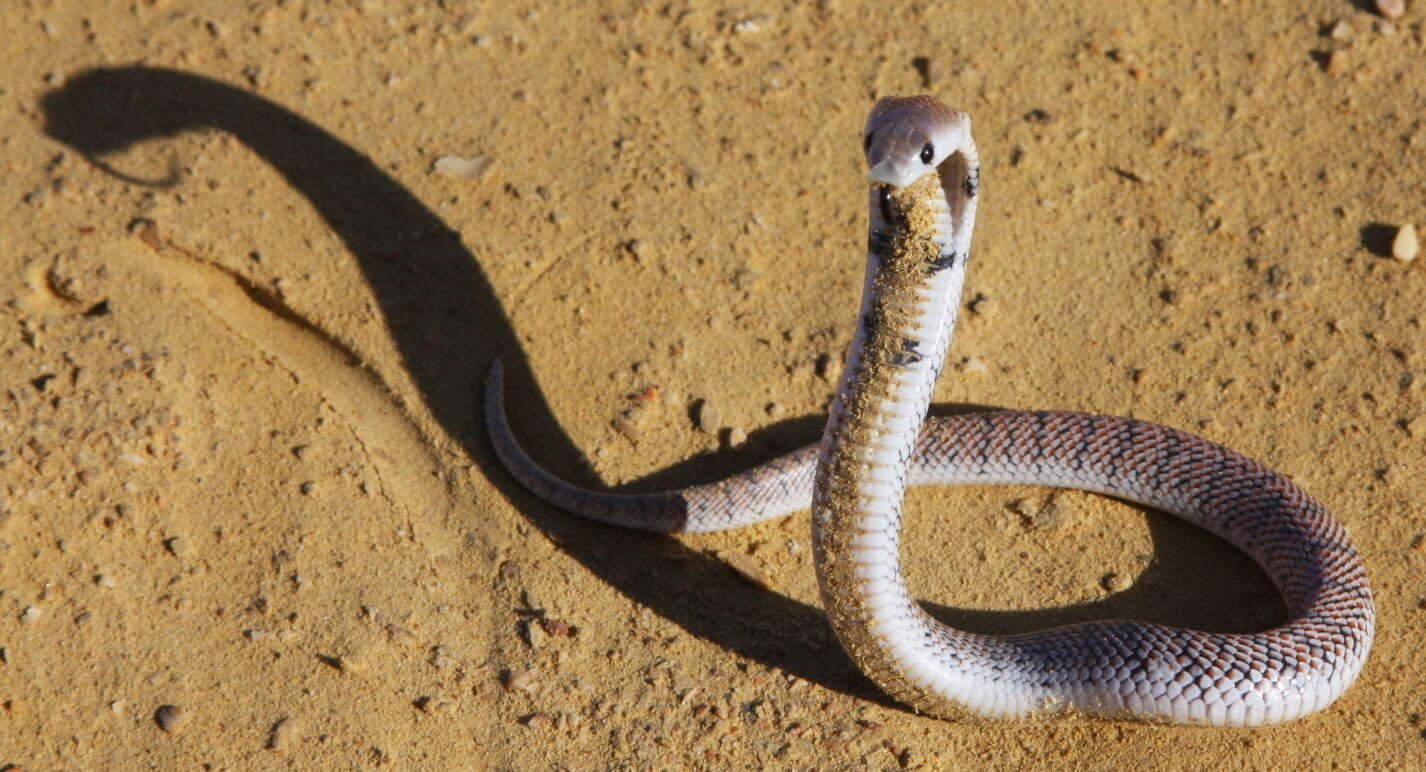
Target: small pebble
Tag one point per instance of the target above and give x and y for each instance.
(1405, 246)
(537, 720)
(31, 615)
(1416, 427)
(520, 681)
(532, 633)
(737, 437)
(280, 735)
(1341, 31)
(708, 415)
(178, 546)
(1047, 515)
(1337, 62)
(1391, 9)
(746, 568)
(1115, 582)
(469, 168)
(172, 718)
(626, 425)
(104, 580)
(973, 365)
(774, 410)
(558, 628)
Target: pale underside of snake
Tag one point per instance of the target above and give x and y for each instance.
(925, 175)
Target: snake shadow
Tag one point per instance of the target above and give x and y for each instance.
(448, 325)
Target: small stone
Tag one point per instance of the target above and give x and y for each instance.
(31, 615)
(532, 633)
(744, 278)
(105, 581)
(1405, 246)
(1416, 427)
(468, 168)
(1337, 62)
(1391, 9)
(929, 69)
(354, 656)
(628, 422)
(1341, 31)
(708, 416)
(172, 718)
(520, 681)
(973, 365)
(280, 736)
(558, 628)
(178, 546)
(746, 568)
(1046, 516)
(774, 410)
(697, 178)
(737, 437)
(537, 720)
(1114, 582)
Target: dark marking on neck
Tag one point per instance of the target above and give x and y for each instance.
(870, 321)
(879, 243)
(908, 355)
(972, 185)
(943, 261)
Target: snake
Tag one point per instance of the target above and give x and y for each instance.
(924, 180)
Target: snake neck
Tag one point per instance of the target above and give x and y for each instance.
(915, 271)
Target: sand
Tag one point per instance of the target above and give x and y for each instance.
(256, 258)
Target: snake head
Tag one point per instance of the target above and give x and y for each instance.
(907, 137)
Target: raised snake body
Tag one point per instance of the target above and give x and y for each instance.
(925, 175)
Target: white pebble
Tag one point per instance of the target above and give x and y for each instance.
(1391, 9)
(172, 718)
(1405, 246)
(455, 166)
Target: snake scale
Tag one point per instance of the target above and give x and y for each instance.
(925, 174)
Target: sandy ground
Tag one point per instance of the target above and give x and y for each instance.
(244, 324)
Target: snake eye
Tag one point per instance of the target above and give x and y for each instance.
(927, 153)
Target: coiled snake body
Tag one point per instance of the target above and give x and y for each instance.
(925, 177)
